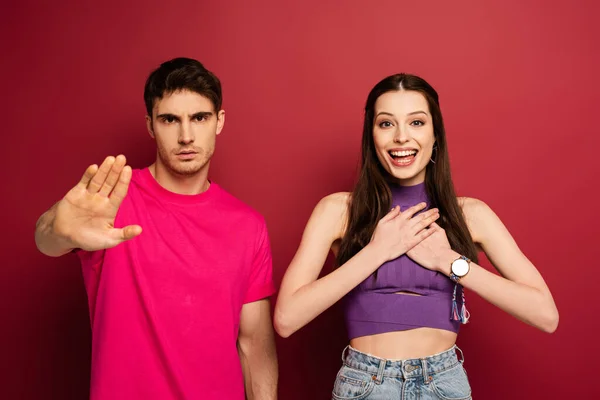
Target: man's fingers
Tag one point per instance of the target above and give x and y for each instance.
(87, 176)
(131, 231)
(120, 190)
(120, 235)
(113, 176)
(98, 179)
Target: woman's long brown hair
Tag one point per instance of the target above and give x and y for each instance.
(371, 197)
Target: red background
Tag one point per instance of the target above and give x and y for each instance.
(519, 91)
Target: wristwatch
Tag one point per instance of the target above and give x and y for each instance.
(459, 268)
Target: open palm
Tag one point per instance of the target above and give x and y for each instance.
(86, 215)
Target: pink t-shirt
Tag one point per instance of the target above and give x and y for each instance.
(165, 306)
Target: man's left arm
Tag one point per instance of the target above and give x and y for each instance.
(256, 348)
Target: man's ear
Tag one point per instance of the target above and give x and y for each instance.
(149, 126)
(220, 120)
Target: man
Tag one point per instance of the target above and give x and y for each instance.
(178, 272)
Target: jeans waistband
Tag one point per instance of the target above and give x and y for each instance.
(406, 369)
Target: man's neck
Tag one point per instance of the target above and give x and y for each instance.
(180, 184)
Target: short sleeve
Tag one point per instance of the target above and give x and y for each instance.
(260, 283)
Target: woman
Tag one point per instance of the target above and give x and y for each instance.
(400, 272)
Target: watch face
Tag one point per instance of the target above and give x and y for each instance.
(460, 267)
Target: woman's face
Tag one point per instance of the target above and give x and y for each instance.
(403, 135)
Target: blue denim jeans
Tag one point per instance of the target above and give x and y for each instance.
(440, 376)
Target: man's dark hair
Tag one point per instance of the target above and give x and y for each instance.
(182, 74)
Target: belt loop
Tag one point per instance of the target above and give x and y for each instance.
(344, 354)
(462, 356)
(379, 377)
(425, 373)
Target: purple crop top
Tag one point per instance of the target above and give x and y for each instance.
(373, 307)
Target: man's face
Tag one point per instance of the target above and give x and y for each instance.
(185, 125)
